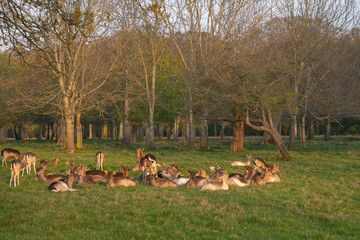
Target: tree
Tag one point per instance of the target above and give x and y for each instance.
(58, 31)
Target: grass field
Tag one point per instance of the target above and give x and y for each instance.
(318, 197)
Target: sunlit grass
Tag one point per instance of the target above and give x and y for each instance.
(318, 197)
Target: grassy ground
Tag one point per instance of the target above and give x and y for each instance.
(318, 197)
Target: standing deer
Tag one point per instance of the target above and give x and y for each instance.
(30, 158)
(9, 152)
(99, 158)
(15, 167)
(145, 163)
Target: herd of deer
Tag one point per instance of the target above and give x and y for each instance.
(260, 173)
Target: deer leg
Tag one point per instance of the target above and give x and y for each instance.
(11, 178)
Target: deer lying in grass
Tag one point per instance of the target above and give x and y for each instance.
(247, 163)
(30, 159)
(84, 177)
(172, 173)
(268, 172)
(9, 152)
(49, 177)
(120, 181)
(99, 159)
(219, 184)
(245, 180)
(56, 160)
(195, 181)
(60, 186)
(160, 182)
(15, 167)
(44, 162)
(92, 172)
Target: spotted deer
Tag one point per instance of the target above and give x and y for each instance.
(160, 182)
(145, 163)
(221, 184)
(195, 181)
(48, 177)
(30, 159)
(15, 167)
(9, 152)
(99, 158)
(120, 181)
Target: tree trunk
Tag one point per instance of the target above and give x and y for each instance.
(79, 142)
(237, 143)
(90, 131)
(126, 126)
(121, 130)
(222, 131)
(327, 129)
(292, 132)
(311, 131)
(276, 122)
(22, 134)
(3, 133)
(204, 139)
(176, 127)
(150, 136)
(303, 131)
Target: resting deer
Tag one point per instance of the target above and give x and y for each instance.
(172, 172)
(218, 185)
(245, 181)
(195, 181)
(92, 172)
(99, 158)
(9, 152)
(84, 178)
(120, 181)
(48, 177)
(15, 167)
(247, 163)
(30, 158)
(56, 160)
(260, 163)
(60, 186)
(160, 182)
(44, 162)
(263, 177)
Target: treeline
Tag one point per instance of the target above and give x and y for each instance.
(152, 68)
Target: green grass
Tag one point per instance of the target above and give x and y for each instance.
(318, 197)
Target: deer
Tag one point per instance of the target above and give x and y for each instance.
(60, 186)
(245, 181)
(44, 162)
(9, 152)
(247, 163)
(260, 163)
(160, 182)
(99, 158)
(145, 163)
(172, 173)
(89, 178)
(48, 177)
(92, 172)
(195, 181)
(56, 160)
(120, 181)
(262, 177)
(221, 184)
(15, 167)
(30, 158)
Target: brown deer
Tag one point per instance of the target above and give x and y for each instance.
(145, 163)
(247, 163)
(99, 158)
(30, 158)
(245, 180)
(89, 178)
(15, 167)
(60, 186)
(160, 182)
(56, 160)
(49, 177)
(44, 162)
(92, 172)
(195, 181)
(9, 152)
(262, 177)
(120, 181)
(218, 185)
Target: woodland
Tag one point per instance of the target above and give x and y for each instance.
(147, 69)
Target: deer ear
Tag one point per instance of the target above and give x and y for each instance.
(212, 168)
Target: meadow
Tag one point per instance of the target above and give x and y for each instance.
(318, 196)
